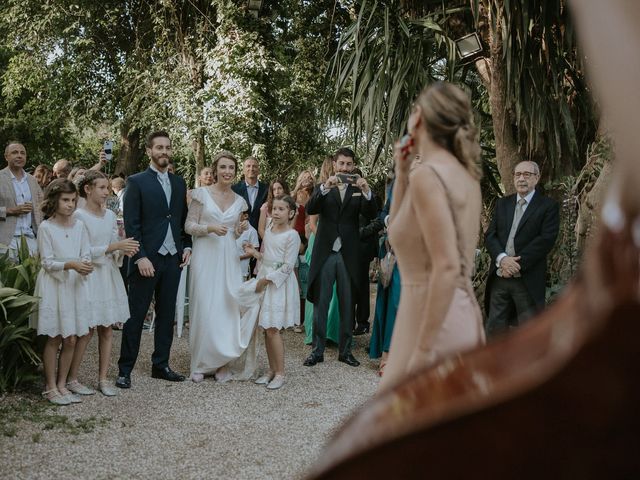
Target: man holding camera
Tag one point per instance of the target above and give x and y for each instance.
(339, 202)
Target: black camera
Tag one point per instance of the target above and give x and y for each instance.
(348, 178)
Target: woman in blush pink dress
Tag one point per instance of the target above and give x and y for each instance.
(433, 229)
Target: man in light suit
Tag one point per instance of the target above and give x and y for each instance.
(252, 190)
(155, 209)
(20, 199)
(336, 253)
(522, 232)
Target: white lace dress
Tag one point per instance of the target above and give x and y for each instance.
(64, 307)
(109, 301)
(281, 302)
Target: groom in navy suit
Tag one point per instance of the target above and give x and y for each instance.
(155, 210)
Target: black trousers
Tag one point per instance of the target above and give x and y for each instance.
(124, 272)
(141, 290)
(333, 270)
(510, 305)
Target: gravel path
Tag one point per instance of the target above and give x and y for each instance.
(160, 429)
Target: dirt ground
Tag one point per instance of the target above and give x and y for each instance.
(160, 429)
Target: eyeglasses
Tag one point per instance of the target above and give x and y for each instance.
(525, 175)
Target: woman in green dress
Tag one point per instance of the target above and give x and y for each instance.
(333, 316)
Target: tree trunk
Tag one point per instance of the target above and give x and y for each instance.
(198, 150)
(131, 151)
(507, 152)
(196, 66)
(590, 188)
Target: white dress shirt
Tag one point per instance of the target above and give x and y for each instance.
(23, 195)
(252, 193)
(527, 199)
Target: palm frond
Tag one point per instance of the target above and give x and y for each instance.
(382, 62)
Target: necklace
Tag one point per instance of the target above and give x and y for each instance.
(65, 229)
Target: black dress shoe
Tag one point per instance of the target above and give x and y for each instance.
(349, 360)
(166, 374)
(123, 381)
(361, 330)
(312, 359)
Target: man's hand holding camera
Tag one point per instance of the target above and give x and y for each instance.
(343, 178)
(362, 184)
(331, 182)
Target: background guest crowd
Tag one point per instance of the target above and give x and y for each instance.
(122, 245)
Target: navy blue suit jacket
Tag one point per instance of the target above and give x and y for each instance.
(147, 215)
(254, 213)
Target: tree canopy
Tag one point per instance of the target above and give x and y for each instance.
(76, 72)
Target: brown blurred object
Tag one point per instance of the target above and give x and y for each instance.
(560, 397)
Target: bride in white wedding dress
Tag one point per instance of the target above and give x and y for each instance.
(221, 340)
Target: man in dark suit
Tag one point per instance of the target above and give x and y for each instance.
(369, 246)
(335, 257)
(522, 232)
(155, 210)
(252, 190)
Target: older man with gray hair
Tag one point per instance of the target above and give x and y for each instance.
(522, 232)
(20, 199)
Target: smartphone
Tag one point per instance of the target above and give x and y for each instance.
(108, 149)
(405, 143)
(347, 178)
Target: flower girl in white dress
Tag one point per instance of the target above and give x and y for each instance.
(280, 304)
(64, 311)
(109, 303)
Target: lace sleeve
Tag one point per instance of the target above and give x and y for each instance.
(85, 245)
(192, 225)
(47, 256)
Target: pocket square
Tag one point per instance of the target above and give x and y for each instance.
(359, 194)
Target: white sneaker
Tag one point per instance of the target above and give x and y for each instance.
(73, 398)
(197, 377)
(79, 389)
(55, 397)
(276, 383)
(106, 389)
(264, 379)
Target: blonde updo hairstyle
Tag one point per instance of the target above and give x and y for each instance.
(448, 118)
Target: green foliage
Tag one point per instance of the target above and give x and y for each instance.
(565, 256)
(15, 412)
(384, 58)
(205, 70)
(18, 357)
(546, 90)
